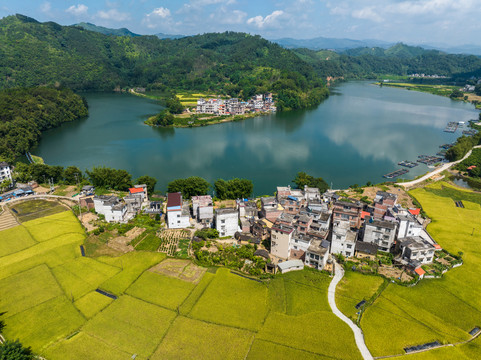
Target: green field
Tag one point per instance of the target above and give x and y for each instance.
(443, 309)
(34, 209)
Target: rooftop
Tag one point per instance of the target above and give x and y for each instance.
(319, 247)
(366, 248)
(415, 243)
(136, 190)
(382, 224)
(174, 199)
(290, 264)
(226, 211)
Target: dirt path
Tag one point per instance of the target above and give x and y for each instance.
(331, 296)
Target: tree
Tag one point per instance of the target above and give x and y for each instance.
(477, 91)
(302, 179)
(164, 118)
(189, 187)
(5, 184)
(149, 181)
(456, 94)
(71, 174)
(233, 189)
(14, 350)
(103, 177)
(174, 105)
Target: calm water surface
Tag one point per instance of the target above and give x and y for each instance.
(355, 136)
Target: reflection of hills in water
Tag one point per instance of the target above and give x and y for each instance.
(357, 135)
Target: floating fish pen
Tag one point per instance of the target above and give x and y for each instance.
(451, 127)
(446, 146)
(441, 153)
(408, 164)
(395, 174)
(470, 132)
(430, 160)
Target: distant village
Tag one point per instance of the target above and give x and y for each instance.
(233, 106)
(302, 226)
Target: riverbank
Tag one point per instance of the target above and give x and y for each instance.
(442, 90)
(188, 120)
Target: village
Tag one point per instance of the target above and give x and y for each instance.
(258, 103)
(298, 228)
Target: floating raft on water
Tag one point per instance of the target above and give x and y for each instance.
(396, 173)
(408, 164)
(446, 146)
(470, 132)
(429, 160)
(451, 127)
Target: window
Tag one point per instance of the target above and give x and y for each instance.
(338, 237)
(428, 259)
(178, 221)
(349, 246)
(178, 215)
(348, 254)
(295, 247)
(222, 221)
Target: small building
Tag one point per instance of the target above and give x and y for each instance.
(140, 190)
(303, 223)
(87, 190)
(364, 250)
(5, 171)
(270, 208)
(343, 239)
(408, 226)
(292, 204)
(291, 265)
(226, 221)
(203, 209)
(261, 228)
(87, 202)
(281, 236)
(311, 194)
(317, 254)
(380, 232)
(177, 212)
(414, 249)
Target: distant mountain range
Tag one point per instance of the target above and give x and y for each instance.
(341, 45)
(121, 31)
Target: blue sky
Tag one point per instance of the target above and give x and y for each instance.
(451, 22)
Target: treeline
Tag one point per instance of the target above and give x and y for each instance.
(14, 350)
(235, 64)
(230, 189)
(399, 60)
(26, 112)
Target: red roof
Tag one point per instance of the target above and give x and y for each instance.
(364, 214)
(414, 211)
(174, 199)
(472, 167)
(420, 271)
(136, 190)
(437, 246)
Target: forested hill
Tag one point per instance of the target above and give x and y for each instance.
(399, 59)
(238, 64)
(24, 113)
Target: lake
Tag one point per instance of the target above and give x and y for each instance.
(357, 135)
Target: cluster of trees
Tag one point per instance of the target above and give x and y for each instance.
(463, 145)
(189, 187)
(100, 177)
(207, 233)
(233, 189)
(235, 64)
(164, 118)
(26, 112)
(473, 159)
(302, 179)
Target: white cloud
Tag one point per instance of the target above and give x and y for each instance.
(367, 13)
(269, 21)
(153, 19)
(46, 7)
(77, 10)
(112, 15)
(228, 17)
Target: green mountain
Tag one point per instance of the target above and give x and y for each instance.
(238, 64)
(399, 50)
(106, 31)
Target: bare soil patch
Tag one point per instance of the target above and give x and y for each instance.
(180, 269)
(88, 220)
(403, 198)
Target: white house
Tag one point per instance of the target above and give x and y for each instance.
(408, 226)
(5, 171)
(111, 207)
(317, 254)
(177, 213)
(416, 248)
(281, 236)
(227, 221)
(203, 209)
(290, 265)
(343, 239)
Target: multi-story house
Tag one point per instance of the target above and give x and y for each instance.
(177, 212)
(227, 221)
(317, 254)
(111, 207)
(281, 236)
(382, 203)
(415, 249)
(270, 208)
(380, 232)
(347, 211)
(343, 239)
(5, 171)
(303, 223)
(408, 226)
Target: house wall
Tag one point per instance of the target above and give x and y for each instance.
(280, 243)
(227, 223)
(5, 173)
(176, 220)
(409, 229)
(382, 237)
(316, 261)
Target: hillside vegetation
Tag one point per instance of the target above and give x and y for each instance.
(235, 64)
(399, 59)
(24, 113)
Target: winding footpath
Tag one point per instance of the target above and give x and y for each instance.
(331, 297)
(437, 171)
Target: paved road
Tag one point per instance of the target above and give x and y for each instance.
(436, 171)
(331, 296)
